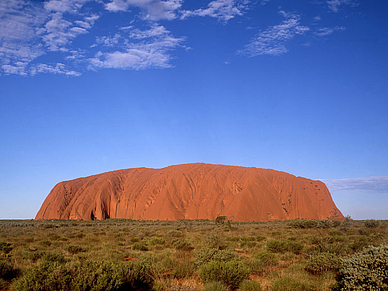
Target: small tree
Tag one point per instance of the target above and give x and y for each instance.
(220, 219)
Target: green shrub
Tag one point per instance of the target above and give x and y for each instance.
(249, 285)
(174, 233)
(231, 273)
(53, 257)
(326, 223)
(87, 276)
(184, 269)
(268, 259)
(277, 246)
(134, 239)
(140, 247)
(206, 255)
(72, 249)
(248, 244)
(54, 237)
(45, 243)
(323, 262)
(46, 277)
(220, 220)
(358, 245)
(157, 241)
(182, 245)
(215, 241)
(215, 286)
(304, 223)
(256, 266)
(294, 247)
(366, 270)
(290, 284)
(5, 247)
(7, 271)
(261, 238)
(371, 223)
(346, 224)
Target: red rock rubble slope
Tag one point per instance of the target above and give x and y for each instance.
(192, 191)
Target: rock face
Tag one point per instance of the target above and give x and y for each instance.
(191, 191)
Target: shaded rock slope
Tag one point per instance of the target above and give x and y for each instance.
(190, 191)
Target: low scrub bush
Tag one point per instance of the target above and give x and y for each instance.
(248, 244)
(139, 246)
(231, 273)
(72, 249)
(215, 286)
(261, 238)
(157, 241)
(371, 223)
(7, 271)
(206, 255)
(366, 270)
(323, 262)
(267, 259)
(278, 246)
(184, 269)
(87, 276)
(325, 223)
(304, 223)
(182, 245)
(53, 257)
(215, 241)
(5, 247)
(256, 266)
(290, 284)
(249, 285)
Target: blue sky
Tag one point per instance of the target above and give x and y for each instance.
(89, 86)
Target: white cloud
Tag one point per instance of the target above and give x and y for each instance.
(70, 6)
(151, 52)
(272, 40)
(109, 41)
(328, 30)
(59, 68)
(334, 5)
(369, 184)
(223, 10)
(31, 29)
(151, 9)
(18, 68)
(155, 31)
(58, 33)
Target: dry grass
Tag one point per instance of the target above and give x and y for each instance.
(170, 247)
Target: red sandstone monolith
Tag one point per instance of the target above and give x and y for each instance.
(191, 191)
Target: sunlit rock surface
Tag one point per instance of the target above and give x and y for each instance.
(190, 191)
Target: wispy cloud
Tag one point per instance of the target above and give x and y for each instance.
(324, 31)
(59, 68)
(223, 10)
(151, 9)
(369, 184)
(153, 50)
(30, 29)
(58, 32)
(272, 40)
(334, 5)
(54, 36)
(71, 6)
